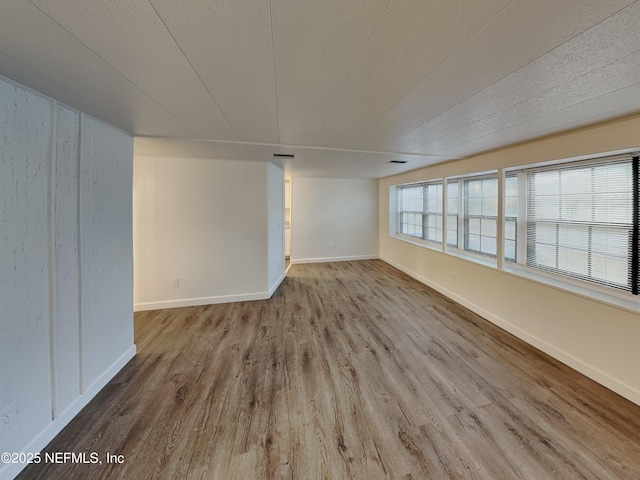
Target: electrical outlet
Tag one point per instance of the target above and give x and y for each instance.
(175, 282)
(333, 246)
(7, 417)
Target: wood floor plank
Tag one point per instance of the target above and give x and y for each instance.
(352, 370)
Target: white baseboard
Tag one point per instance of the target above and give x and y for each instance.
(275, 286)
(10, 471)
(576, 363)
(333, 259)
(194, 302)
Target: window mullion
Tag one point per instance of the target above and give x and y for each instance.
(424, 213)
(522, 220)
(500, 220)
(400, 210)
(635, 236)
(464, 216)
(443, 222)
(561, 203)
(590, 227)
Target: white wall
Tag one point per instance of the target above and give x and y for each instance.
(597, 339)
(106, 251)
(342, 213)
(275, 205)
(66, 323)
(204, 222)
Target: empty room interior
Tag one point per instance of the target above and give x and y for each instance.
(319, 239)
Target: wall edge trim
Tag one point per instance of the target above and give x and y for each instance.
(11, 470)
(594, 373)
(277, 283)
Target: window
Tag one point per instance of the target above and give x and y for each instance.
(433, 212)
(579, 220)
(420, 212)
(476, 230)
(411, 200)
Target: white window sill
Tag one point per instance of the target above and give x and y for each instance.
(583, 289)
(418, 242)
(593, 292)
(472, 257)
(454, 252)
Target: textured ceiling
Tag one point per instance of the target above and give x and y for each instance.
(345, 86)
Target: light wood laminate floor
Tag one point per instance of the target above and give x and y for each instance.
(351, 371)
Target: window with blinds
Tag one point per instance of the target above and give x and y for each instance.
(579, 220)
(420, 212)
(472, 214)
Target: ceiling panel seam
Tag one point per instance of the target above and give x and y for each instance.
(113, 68)
(585, 122)
(537, 94)
(435, 68)
(285, 145)
(193, 68)
(484, 88)
(555, 129)
(275, 74)
(48, 97)
(355, 64)
(198, 75)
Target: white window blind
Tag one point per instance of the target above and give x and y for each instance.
(579, 221)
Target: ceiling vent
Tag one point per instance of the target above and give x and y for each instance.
(397, 161)
(284, 155)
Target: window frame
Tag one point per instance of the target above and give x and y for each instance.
(461, 247)
(589, 287)
(425, 213)
(526, 223)
(402, 212)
